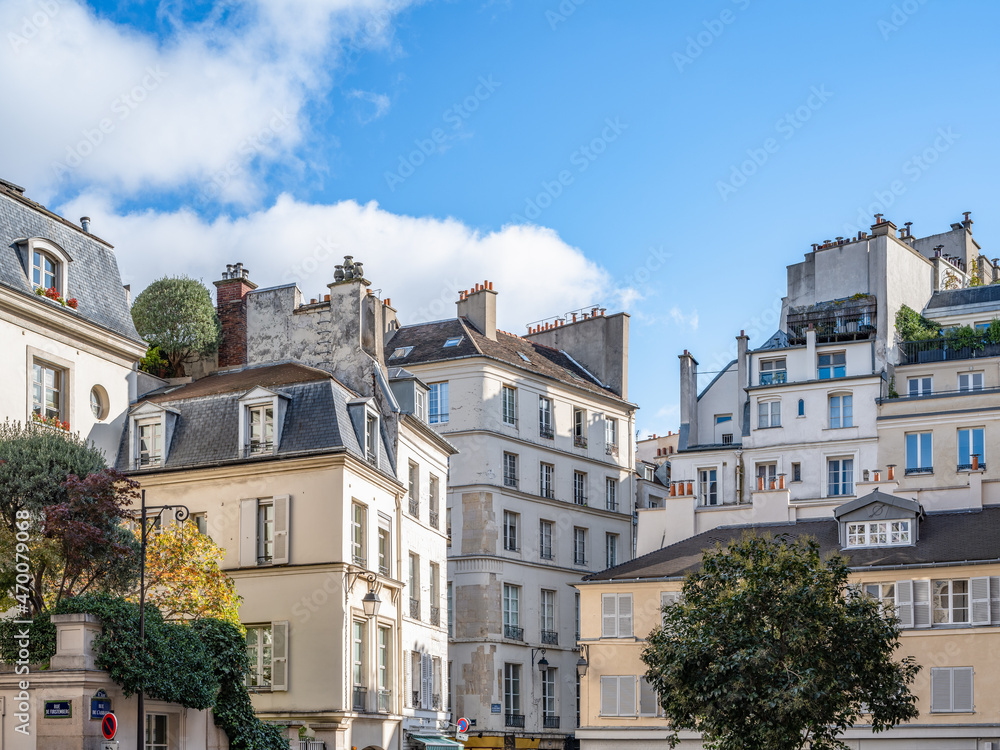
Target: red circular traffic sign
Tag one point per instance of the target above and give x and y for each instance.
(109, 726)
(463, 725)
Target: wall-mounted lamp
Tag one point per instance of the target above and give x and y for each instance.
(370, 602)
(582, 663)
(543, 663)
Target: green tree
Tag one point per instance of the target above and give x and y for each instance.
(770, 649)
(176, 314)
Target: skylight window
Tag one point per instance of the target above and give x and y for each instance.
(403, 351)
(523, 356)
(453, 341)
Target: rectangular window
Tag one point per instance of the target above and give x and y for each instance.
(772, 371)
(201, 522)
(611, 432)
(46, 391)
(43, 271)
(649, 703)
(768, 414)
(265, 532)
(548, 613)
(580, 428)
(545, 540)
(150, 443)
(884, 593)
(384, 667)
(545, 418)
(951, 690)
(611, 549)
(434, 489)
(971, 443)
(546, 486)
(451, 610)
(438, 403)
(414, 582)
(509, 402)
(156, 732)
(435, 594)
(260, 421)
(708, 487)
(512, 612)
(951, 602)
(512, 689)
(618, 695)
(919, 453)
(579, 546)
(919, 387)
(616, 615)
(510, 470)
(833, 365)
(358, 666)
(841, 411)
(970, 381)
(510, 521)
(769, 473)
(359, 524)
(878, 533)
(549, 693)
(576, 602)
(259, 649)
(611, 493)
(371, 438)
(840, 477)
(384, 547)
(579, 488)
(413, 489)
(420, 404)
(796, 472)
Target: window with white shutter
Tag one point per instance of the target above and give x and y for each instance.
(609, 695)
(264, 538)
(649, 705)
(618, 695)
(624, 615)
(995, 599)
(616, 615)
(922, 604)
(979, 589)
(279, 656)
(904, 603)
(407, 681)
(951, 690)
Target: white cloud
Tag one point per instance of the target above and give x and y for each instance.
(419, 262)
(681, 318)
(377, 105)
(98, 103)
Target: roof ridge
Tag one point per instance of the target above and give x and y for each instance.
(466, 327)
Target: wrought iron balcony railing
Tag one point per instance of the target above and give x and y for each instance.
(513, 632)
(550, 637)
(514, 720)
(360, 698)
(415, 608)
(550, 722)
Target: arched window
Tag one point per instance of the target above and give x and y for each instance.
(44, 270)
(802, 407)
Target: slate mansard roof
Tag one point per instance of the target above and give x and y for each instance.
(945, 538)
(93, 275)
(427, 340)
(318, 418)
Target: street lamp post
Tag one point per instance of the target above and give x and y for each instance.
(181, 513)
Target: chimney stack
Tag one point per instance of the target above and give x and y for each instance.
(689, 401)
(85, 223)
(230, 303)
(742, 376)
(479, 306)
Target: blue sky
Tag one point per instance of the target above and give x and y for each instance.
(665, 158)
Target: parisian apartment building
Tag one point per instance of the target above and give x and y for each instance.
(838, 428)
(540, 494)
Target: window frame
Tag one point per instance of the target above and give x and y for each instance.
(437, 397)
(510, 478)
(772, 374)
(60, 387)
(611, 549)
(919, 385)
(841, 415)
(708, 486)
(872, 533)
(772, 408)
(579, 488)
(841, 484)
(545, 418)
(951, 608)
(508, 409)
(579, 546)
(970, 439)
(359, 529)
(972, 377)
(545, 548)
(835, 369)
(512, 688)
(511, 521)
(546, 480)
(922, 466)
(938, 674)
(611, 494)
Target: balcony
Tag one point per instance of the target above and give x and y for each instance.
(510, 482)
(579, 441)
(435, 519)
(359, 701)
(435, 615)
(611, 449)
(550, 637)
(550, 722)
(414, 507)
(384, 699)
(940, 350)
(849, 319)
(918, 470)
(971, 467)
(360, 561)
(415, 609)
(548, 434)
(513, 632)
(514, 720)
(774, 377)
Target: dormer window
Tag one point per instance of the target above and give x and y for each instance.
(879, 520)
(879, 533)
(150, 429)
(44, 270)
(371, 438)
(149, 447)
(262, 413)
(45, 265)
(261, 429)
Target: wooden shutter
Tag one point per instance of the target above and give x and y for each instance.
(279, 655)
(921, 604)
(625, 617)
(626, 695)
(904, 603)
(426, 680)
(609, 696)
(407, 681)
(962, 689)
(995, 599)
(248, 532)
(609, 616)
(940, 689)
(648, 704)
(281, 530)
(979, 589)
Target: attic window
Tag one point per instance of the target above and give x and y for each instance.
(878, 533)
(523, 356)
(403, 351)
(453, 341)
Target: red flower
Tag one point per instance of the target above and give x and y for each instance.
(72, 302)
(52, 293)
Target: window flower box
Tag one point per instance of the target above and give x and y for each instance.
(53, 294)
(53, 422)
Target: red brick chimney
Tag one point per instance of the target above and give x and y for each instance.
(231, 305)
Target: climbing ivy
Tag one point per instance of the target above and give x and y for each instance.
(198, 665)
(912, 326)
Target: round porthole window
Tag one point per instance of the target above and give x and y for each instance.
(99, 402)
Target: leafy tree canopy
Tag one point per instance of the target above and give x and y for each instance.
(769, 648)
(912, 326)
(176, 314)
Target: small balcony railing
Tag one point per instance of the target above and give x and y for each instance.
(970, 467)
(612, 505)
(415, 609)
(513, 632)
(414, 508)
(550, 637)
(916, 470)
(514, 720)
(435, 519)
(509, 481)
(258, 447)
(435, 615)
(580, 560)
(384, 700)
(579, 441)
(547, 492)
(312, 745)
(359, 701)
(774, 377)
(546, 432)
(373, 458)
(546, 553)
(550, 722)
(580, 499)
(611, 449)
(144, 462)
(383, 569)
